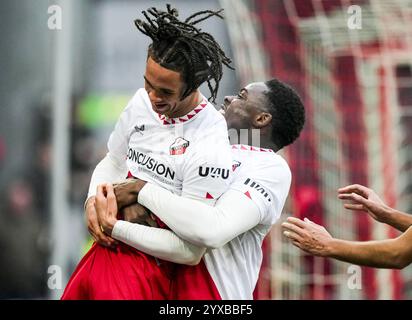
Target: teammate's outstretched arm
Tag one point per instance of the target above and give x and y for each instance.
(367, 200)
(160, 243)
(314, 239)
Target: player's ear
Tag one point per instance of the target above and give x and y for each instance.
(262, 119)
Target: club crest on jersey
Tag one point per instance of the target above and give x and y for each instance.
(236, 164)
(213, 172)
(258, 188)
(178, 147)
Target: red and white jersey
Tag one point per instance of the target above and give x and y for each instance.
(189, 156)
(264, 177)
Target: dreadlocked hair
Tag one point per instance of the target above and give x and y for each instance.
(182, 47)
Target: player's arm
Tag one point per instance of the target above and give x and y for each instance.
(365, 199)
(238, 210)
(192, 215)
(207, 175)
(191, 219)
(110, 169)
(234, 213)
(314, 239)
(398, 219)
(160, 243)
(391, 253)
(113, 166)
(199, 222)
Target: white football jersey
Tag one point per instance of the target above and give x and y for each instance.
(264, 177)
(189, 156)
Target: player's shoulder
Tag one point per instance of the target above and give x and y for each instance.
(211, 147)
(210, 133)
(140, 98)
(212, 119)
(276, 160)
(272, 164)
(266, 176)
(210, 140)
(138, 104)
(141, 93)
(262, 162)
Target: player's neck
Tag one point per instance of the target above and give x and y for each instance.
(268, 144)
(259, 138)
(188, 104)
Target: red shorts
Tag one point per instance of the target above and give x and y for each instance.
(123, 273)
(193, 283)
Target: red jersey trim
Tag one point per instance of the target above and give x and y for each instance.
(167, 121)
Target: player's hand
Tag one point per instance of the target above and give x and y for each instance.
(106, 208)
(94, 226)
(136, 213)
(308, 236)
(126, 192)
(364, 199)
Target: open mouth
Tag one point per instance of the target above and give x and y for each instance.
(160, 107)
(223, 108)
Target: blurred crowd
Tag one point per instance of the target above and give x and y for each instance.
(25, 243)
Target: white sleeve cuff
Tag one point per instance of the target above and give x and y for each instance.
(120, 230)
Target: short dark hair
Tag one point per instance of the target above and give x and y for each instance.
(287, 110)
(180, 46)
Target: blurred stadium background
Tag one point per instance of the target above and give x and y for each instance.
(62, 91)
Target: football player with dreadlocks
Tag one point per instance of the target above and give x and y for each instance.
(170, 135)
(219, 248)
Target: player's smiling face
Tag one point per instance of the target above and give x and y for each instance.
(164, 87)
(242, 110)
